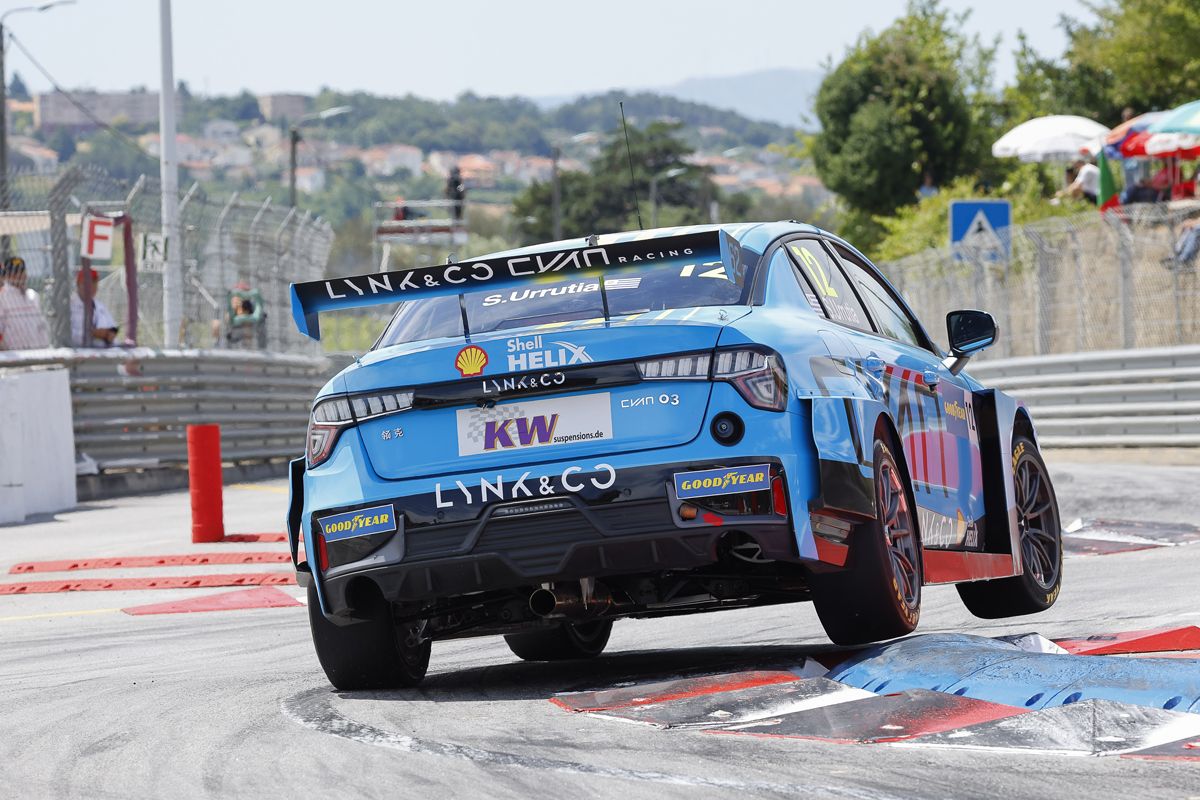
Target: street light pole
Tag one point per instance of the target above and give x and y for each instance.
(555, 194)
(4, 197)
(671, 173)
(168, 170)
(294, 137)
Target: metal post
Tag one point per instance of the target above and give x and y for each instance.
(253, 243)
(223, 268)
(275, 319)
(169, 171)
(1125, 286)
(555, 194)
(294, 136)
(653, 201)
(5, 241)
(59, 309)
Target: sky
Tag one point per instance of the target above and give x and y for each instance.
(440, 49)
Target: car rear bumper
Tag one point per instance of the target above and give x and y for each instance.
(437, 550)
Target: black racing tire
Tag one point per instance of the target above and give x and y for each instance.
(1038, 585)
(877, 595)
(564, 642)
(369, 654)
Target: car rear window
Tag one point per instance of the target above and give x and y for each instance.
(653, 286)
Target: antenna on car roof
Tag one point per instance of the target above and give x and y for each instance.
(629, 155)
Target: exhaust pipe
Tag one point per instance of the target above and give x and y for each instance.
(567, 600)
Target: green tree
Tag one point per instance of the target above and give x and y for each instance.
(1150, 48)
(898, 107)
(602, 200)
(17, 89)
(120, 158)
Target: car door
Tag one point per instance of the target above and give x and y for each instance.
(933, 409)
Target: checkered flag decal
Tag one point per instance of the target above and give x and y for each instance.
(473, 431)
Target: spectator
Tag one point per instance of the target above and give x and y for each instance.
(1187, 246)
(456, 191)
(245, 317)
(1086, 183)
(104, 327)
(22, 324)
(927, 189)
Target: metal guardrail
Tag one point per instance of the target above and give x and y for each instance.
(1107, 398)
(132, 406)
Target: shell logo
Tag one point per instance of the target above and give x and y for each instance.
(470, 361)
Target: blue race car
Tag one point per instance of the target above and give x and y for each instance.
(653, 423)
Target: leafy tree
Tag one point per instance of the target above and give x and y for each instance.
(1150, 48)
(897, 107)
(17, 89)
(121, 159)
(1069, 85)
(602, 200)
(61, 142)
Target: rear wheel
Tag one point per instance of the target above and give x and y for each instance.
(564, 642)
(1037, 587)
(369, 654)
(878, 593)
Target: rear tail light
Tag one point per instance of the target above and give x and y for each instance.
(758, 375)
(676, 368)
(330, 417)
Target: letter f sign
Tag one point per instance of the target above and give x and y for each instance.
(97, 238)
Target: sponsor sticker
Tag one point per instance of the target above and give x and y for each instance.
(711, 482)
(534, 423)
(572, 480)
(365, 521)
(470, 361)
(528, 353)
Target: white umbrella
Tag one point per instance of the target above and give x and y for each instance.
(1056, 138)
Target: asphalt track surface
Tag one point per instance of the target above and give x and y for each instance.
(95, 703)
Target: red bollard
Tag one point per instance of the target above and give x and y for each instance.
(204, 482)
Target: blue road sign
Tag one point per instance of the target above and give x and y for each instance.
(979, 229)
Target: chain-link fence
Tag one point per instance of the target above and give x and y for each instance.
(238, 259)
(1116, 280)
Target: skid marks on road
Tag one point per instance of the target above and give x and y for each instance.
(315, 710)
(1021, 694)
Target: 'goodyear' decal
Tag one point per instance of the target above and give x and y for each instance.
(729, 480)
(378, 519)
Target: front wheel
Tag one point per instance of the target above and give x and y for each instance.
(878, 594)
(372, 653)
(1037, 587)
(563, 642)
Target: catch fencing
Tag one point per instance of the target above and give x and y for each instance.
(1089, 282)
(228, 245)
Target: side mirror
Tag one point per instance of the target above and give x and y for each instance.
(970, 331)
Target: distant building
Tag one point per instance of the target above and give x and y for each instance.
(261, 137)
(478, 171)
(221, 131)
(310, 179)
(43, 160)
(291, 107)
(388, 159)
(535, 168)
(54, 110)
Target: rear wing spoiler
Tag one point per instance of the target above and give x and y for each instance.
(312, 297)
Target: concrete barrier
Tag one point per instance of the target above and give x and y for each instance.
(37, 451)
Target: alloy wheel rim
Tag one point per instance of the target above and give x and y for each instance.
(1038, 524)
(899, 533)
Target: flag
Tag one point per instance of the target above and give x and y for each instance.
(1107, 197)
